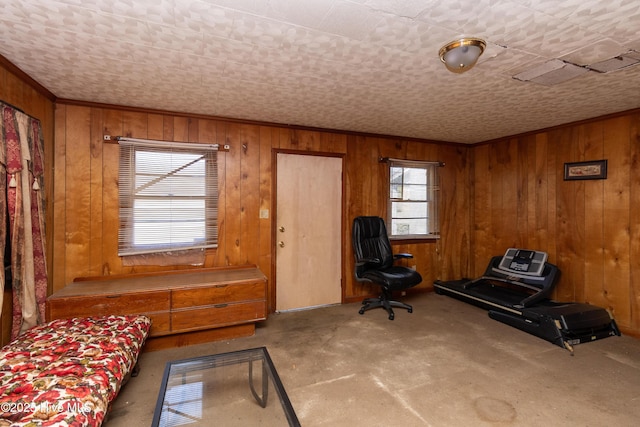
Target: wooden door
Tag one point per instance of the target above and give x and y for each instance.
(308, 231)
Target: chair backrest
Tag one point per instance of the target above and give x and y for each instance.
(370, 241)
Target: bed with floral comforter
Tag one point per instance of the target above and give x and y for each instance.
(67, 372)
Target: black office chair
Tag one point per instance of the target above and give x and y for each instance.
(375, 264)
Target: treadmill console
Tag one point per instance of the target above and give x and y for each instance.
(523, 262)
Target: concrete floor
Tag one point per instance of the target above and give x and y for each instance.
(446, 364)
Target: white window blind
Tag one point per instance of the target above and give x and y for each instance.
(413, 199)
(168, 196)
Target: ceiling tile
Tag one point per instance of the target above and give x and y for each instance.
(350, 20)
(595, 52)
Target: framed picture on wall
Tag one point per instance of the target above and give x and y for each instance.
(594, 169)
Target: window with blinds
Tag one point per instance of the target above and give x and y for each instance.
(168, 197)
(413, 199)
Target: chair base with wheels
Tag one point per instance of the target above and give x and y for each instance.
(385, 302)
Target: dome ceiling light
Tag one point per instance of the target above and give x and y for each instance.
(462, 54)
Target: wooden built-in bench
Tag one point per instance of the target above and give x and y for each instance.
(185, 306)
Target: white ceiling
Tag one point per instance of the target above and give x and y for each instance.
(359, 65)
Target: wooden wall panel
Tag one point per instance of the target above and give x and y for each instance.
(78, 184)
(634, 226)
(614, 289)
(181, 129)
(58, 258)
(551, 194)
(594, 191)
(112, 124)
(167, 128)
(451, 258)
(359, 188)
(95, 187)
(219, 258)
(539, 197)
(571, 210)
(250, 195)
(524, 169)
(480, 215)
(230, 246)
(13, 88)
(155, 126)
(266, 246)
(511, 195)
(508, 215)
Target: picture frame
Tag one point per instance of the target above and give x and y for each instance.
(594, 169)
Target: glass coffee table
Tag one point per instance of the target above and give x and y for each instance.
(237, 388)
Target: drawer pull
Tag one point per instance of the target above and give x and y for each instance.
(220, 286)
(114, 296)
(220, 305)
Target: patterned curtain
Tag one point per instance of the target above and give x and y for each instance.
(21, 158)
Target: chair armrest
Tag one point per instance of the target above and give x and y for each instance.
(402, 255)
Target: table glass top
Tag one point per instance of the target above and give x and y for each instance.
(239, 388)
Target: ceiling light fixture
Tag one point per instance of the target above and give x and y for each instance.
(461, 55)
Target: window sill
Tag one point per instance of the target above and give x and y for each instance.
(398, 240)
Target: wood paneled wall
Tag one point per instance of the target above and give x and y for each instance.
(85, 199)
(19, 90)
(590, 229)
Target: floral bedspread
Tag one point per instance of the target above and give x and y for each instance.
(67, 372)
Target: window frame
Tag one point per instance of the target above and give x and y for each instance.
(432, 199)
(127, 195)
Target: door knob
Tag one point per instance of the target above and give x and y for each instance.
(281, 244)
(281, 229)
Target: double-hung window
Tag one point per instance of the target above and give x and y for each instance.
(413, 199)
(168, 196)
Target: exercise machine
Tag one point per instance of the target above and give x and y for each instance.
(516, 290)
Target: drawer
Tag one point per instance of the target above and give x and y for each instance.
(100, 305)
(217, 294)
(160, 323)
(217, 315)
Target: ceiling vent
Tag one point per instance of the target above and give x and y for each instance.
(551, 73)
(558, 71)
(616, 63)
